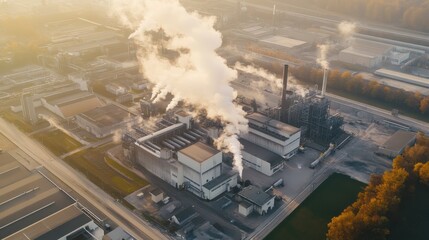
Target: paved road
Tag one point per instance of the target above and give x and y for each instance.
(118, 213)
(414, 123)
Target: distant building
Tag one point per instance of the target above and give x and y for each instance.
(28, 108)
(103, 121)
(255, 199)
(70, 103)
(397, 143)
(365, 53)
(115, 89)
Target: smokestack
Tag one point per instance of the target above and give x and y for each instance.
(284, 92)
(325, 81)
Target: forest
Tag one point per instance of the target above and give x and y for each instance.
(379, 209)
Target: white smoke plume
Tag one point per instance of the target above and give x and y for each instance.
(322, 58)
(275, 84)
(53, 122)
(198, 76)
(117, 136)
(347, 29)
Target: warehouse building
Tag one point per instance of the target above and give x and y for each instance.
(397, 143)
(70, 103)
(103, 121)
(32, 207)
(365, 53)
(254, 199)
(403, 77)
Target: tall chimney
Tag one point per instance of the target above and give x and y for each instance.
(325, 81)
(284, 91)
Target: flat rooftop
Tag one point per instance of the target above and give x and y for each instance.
(55, 226)
(283, 41)
(25, 197)
(283, 127)
(219, 180)
(105, 116)
(366, 48)
(255, 195)
(261, 153)
(199, 151)
(399, 140)
(404, 77)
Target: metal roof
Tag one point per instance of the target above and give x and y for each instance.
(105, 116)
(255, 195)
(28, 199)
(219, 180)
(199, 152)
(399, 140)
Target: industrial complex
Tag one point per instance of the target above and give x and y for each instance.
(94, 145)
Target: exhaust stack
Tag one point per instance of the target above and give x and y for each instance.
(284, 91)
(325, 81)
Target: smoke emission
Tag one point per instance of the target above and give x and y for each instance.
(197, 75)
(56, 125)
(347, 29)
(322, 59)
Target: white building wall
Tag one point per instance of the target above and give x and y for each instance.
(267, 206)
(256, 163)
(282, 148)
(245, 211)
(221, 188)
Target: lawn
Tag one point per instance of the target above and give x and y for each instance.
(309, 221)
(57, 142)
(112, 177)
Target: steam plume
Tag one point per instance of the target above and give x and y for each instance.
(197, 75)
(322, 59)
(347, 29)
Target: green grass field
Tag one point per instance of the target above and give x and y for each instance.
(57, 142)
(18, 121)
(309, 221)
(112, 177)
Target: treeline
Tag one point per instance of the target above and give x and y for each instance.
(410, 13)
(371, 216)
(355, 84)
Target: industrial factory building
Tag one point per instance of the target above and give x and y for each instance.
(397, 143)
(254, 199)
(103, 121)
(260, 158)
(273, 135)
(176, 154)
(32, 207)
(69, 103)
(365, 53)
